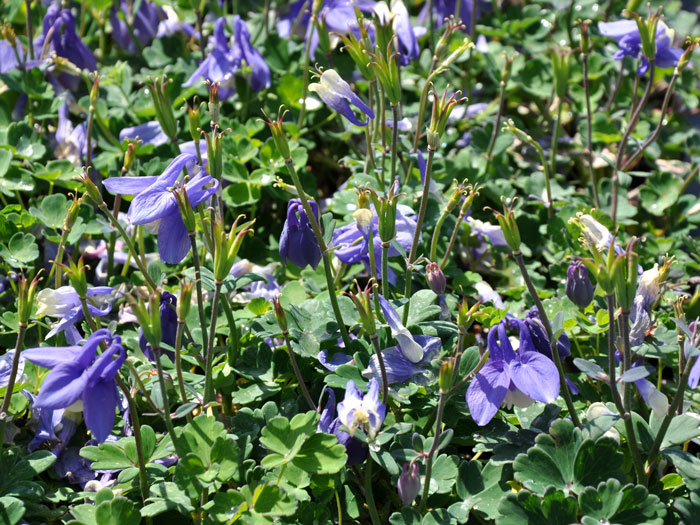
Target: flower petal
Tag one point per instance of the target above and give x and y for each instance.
(173, 240)
(63, 386)
(487, 391)
(536, 376)
(99, 403)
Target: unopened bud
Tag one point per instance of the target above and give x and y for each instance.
(436, 278)
(278, 134)
(509, 226)
(280, 315)
(92, 191)
(446, 375)
(185, 301)
(409, 484)
(578, 286)
(72, 214)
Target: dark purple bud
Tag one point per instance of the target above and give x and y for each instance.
(168, 326)
(435, 277)
(540, 340)
(409, 483)
(578, 286)
(298, 243)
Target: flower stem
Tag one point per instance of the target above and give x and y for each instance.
(369, 495)
(497, 125)
(394, 142)
(617, 85)
(178, 360)
(589, 131)
(556, 127)
(553, 342)
(433, 449)
(130, 245)
(373, 270)
(416, 234)
(59, 259)
(11, 382)
(382, 368)
(136, 425)
(297, 372)
(436, 235)
(324, 251)
(233, 331)
(198, 284)
(453, 237)
(623, 142)
(166, 404)
(385, 268)
(209, 359)
(626, 416)
(305, 87)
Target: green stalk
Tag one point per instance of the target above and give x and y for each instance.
(589, 131)
(209, 359)
(324, 251)
(394, 142)
(369, 495)
(436, 235)
(11, 383)
(496, 130)
(166, 403)
(453, 238)
(626, 417)
(555, 143)
(373, 270)
(233, 331)
(198, 283)
(431, 453)
(56, 266)
(553, 342)
(297, 372)
(136, 426)
(385, 269)
(178, 360)
(382, 369)
(416, 235)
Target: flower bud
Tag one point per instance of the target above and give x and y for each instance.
(226, 246)
(185, 301)
(585, 39)
(446, 375)
(194, 120)
(436, 279)
(26, 291)
(162, 106)
(409, 484)
(278, 134)
(92, 191)
(148, 316)
(578, 286)
(280, 315)
(186, 211)
(442, 108)
(95, 90)
(561, 60)
(363, 304)
(77, 276)
(511, 233)
(386, 213)
(214, 103)
(363, 218)
(72, 214)
(215, 157)
(129, 156)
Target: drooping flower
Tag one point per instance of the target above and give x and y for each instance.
(298, 243)
(154, 203)
(397, 14)
(149, 133)
(338, 95)
(578, 285)
(443, 9)
(364, 412)
(267, 289)
(339, 17)
(355, 449)
(144, 24)
(539, 338)
(168, 325)
(516, 378)
(626, 34)
(407, 359)
(409, 483)
(79, 374)
(64, 303)
(223, 61)
(54, 427)
(352, 245)
(70, 141)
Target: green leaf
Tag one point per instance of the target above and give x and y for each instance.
(5, 159)
(631, 505)
(118, 511)
(682, 428)
(444, 475)
(519, 509)
(52, 211)
(321, 454)
(20, 250)
(482, 488)
(11, 510)
(566, 461)
(280, 435)
(107, 456)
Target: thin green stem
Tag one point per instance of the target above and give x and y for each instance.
(11, 382)
(369, 495)
(373, 269)
(433, 449)
(166, 403)
(499, 116)
(436, 234)
(198, 284)
(589, 131)
(297, 372)
(178, 360)
(564, 388)
(382, 368)
(385, 269)
(324, 251)
(233, 331)
(56, 266)
(617, 85)
(394, 142)
(453, 239)
(416, 235)
(136, 426)
(556, 127)
(209, 359)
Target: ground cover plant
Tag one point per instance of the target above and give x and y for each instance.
(327, 261)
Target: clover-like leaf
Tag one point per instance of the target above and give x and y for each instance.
(627, 506)
(21, 250)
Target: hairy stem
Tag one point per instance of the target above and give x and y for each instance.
(433, 449)
(209, 359)
(369, 495)
(297, 372)
(198, 284)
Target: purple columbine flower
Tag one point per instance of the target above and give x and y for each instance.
(65, 304)
(70, 141)
(579, 288)
(168, 325)
(443, 9)
(54, 428)
(400, 20)
(355, 449)
(409, 484)
(170, 24)
(79, 374)
(59, 28)
(352, 244)
(144, 24)
(8, 58)
(338, 95)
(516, 378)
(364, 412)
(626, 34)
(155, 203)
(339, 16)
(539, 337)
(409, 357)
(222, 62)
(148, 133)
(298, 243)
